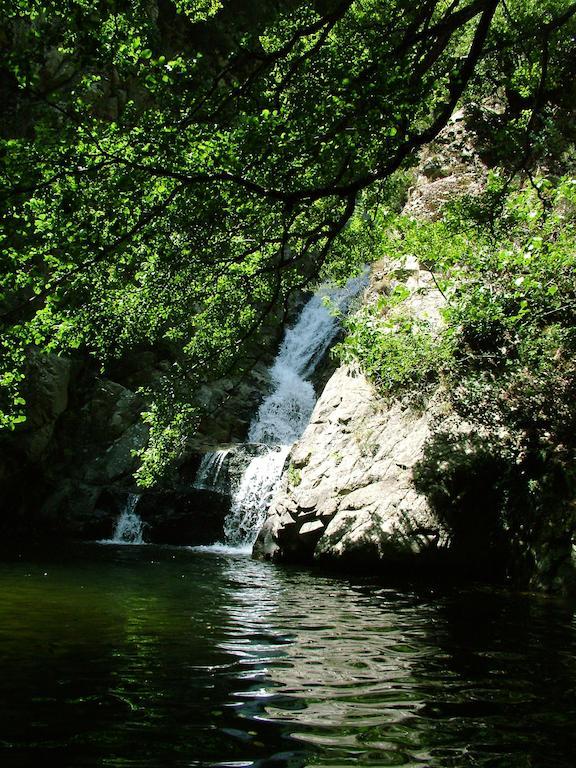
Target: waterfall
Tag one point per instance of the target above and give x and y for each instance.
(285, 412)
(253, 496)
(210, 475)
(128, 529)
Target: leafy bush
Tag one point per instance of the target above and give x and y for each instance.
(506, 357)
(396, 352)
(294, 475)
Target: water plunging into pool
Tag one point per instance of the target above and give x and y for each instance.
(128, 529)
(284, 413)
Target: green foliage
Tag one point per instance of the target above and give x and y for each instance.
(516, 287)
(170, 423)
(11, 375)
(198, 10)
(509, 281)
(532, 126)
(463, 476)
(171, 175)
(396, 351)
(361, 240)
(294, 476)
(505, 357)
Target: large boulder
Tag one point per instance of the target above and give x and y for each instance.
(186, 519)
(46, 394)
(348, 492)
(74, 510)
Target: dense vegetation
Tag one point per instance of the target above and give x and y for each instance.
(173, 172)
(503, 357)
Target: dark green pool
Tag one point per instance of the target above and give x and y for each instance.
(138, 656)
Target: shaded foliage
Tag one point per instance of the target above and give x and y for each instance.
(173, 172)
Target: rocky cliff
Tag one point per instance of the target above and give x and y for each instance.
(348, 492)
(66, 471)
(409, 480)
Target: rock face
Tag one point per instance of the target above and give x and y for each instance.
(348, 493)
(353, 493)
(448, 167)
(77, 444)
(191, 518)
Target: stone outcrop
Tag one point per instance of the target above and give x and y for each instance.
(448, 167)
(80, 440)
(391, 487)
(348, 492)
(47, 398)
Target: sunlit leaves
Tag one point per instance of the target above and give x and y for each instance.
(178, 176)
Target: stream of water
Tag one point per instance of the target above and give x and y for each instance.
(158, 658)
(129, 526)
(211, 474)
(283, 415)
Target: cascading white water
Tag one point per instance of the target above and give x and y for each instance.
(129, 526)
(285, 413)
(252, 497)
(210, 475)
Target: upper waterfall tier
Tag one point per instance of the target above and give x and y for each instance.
(284, 414)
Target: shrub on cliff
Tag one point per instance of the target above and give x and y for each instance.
(399, 352)
(505, 356)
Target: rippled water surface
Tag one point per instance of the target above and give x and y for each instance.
(137, 656)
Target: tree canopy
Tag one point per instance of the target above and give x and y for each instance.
(172, 171)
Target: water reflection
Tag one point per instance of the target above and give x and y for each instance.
(374, 677)
(330, 668)
(166, 657)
